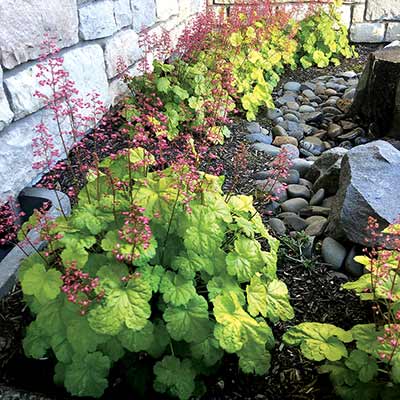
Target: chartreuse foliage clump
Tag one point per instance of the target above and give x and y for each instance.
(198, 287)
(363, 362)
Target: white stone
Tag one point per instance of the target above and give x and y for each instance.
(144, 14)
(383, 10)
(6, 114)
(122, 13)
(396, 43)
(367, 32)
(23, 24)
(392, 31)
(166, 9)
(16, 155)
(358, 13)
(118, 89)
(124, 47)
(190, 7)
(86, 68)
(96, 20)
(345, 13)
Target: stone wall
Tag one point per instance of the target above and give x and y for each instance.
(92, 35)
(369, 21)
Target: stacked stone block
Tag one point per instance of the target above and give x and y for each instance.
(93, 35)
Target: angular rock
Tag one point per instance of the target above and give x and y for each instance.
(6, 115)
(369, 186)
(333, 253)
(96, 20)
(85, 66)
(166, 9)
(325, 171)
(24, 23)
(144, 14)
(123, 46)
(294, 205)
(383, 10)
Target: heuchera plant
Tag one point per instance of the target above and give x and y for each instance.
(364, 362)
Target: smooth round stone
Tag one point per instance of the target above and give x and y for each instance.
(292, 151)
(316, 117)
(306, 183)
(272, 207)
(259, 137)
(277, 189)
(298, 191)
(291, 117)
(292, 105)
(261, 175)
(292, 86)
(313, 145)
(306, 109)
(293, 177)
(279, 130)
(268, 149)
(351, 266)
(315, 210)
(301, 165)
(331, 110)
(295, 222)
(346, 145)
(352, 134)
(336, 86)
(328, 202)
(348, 125)
(330, 92)
(277, 226)
(318, 197)
(309, 94)
(319, 89)
(281, 101)
(281, 140)
(253, 127)
(349, 74)
(316, 229)
(307, 129)
(316, 218)
(274, 113)
(294, 205)
(349, 94)
(333, 253)
(334, 130)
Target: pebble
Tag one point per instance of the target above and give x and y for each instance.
(333, 253)
(278, 130)
(349, 94)
(334, 130)
(291, 117)
(281, 101)
(277, 189)
(292, 86)
(298, 191)
(294, 205)
(328, 202)
(268, 149)
(292, 151)
(313, 144)
(330, 92)
(318, 198)
(348, 125)
(306, 183)
(348, 74)
(315, 210)
(295, 222)
(352, 134)
(331, 110)
(309, 94)
(306, 109)
(315, 117)
(292, 105)
(301, 165)
(259, 137)
(277, 226)
(253, 127)
(281, 140)
(351, 266)
(308, 85)
(293, 177)
(316, 229)
(274, 113)
(315, 218)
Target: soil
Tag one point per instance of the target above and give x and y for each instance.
(315, 293)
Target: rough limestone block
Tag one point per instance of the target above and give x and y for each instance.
(367, 32)
(96, 20)
(190, 7)
(358, 13)
(16, 155)
(345, 12)
(6, 114)
(123, 47)
(122, 13)
(392, 32)
(166, 9)
(23, 24)
(85, 65)
(144, 14)
(118, 88)
(383, 10)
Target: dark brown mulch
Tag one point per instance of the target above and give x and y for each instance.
(315, 293)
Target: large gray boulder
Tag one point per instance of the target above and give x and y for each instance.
(369, 186)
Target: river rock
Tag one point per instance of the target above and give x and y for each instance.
(351, 266)
(277, 226)
(294, 205)
(298, 191)
(279, 131)
(268, 149)
(292, 86)
(318, 197)
(291, 150)
(294, 222)
(281, 140)
(369, 186)
(259, 137)
(301, 165)
(333, 253)
(316, 229)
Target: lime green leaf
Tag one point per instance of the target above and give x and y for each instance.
(86, 375)
(44, 285)
(176, 289)
(174, 376)
(207, 351)
(181, 93)
(236, 39)
(122, 307)
(319, 341)
(163, 84)
(136, 341)
(277, 300)
(189, 322)
(364, 365)
(225, 284)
